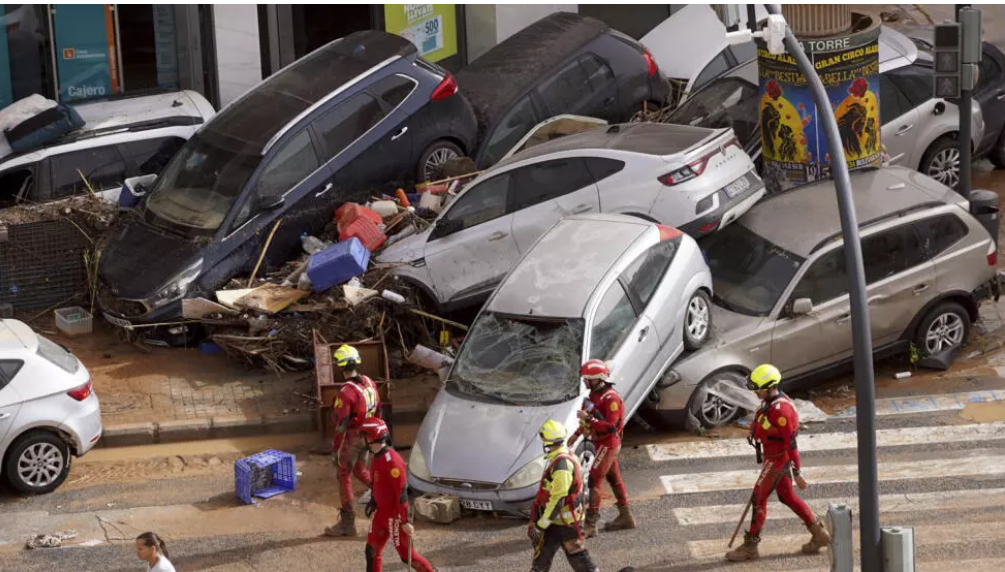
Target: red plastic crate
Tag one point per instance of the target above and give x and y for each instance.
(349, 212)
(366, 231)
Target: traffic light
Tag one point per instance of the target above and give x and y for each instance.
(947, 60)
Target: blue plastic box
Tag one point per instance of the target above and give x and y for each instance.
(337, 264)
(264, 475)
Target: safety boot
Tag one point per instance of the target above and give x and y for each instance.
(820, 539)
(590, 523)
(624, 520)
(346, 525)
(746, 551)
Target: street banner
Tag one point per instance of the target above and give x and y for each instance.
(431, 27)
(86, 61)
(794, 144)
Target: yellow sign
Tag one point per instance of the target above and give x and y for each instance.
(431, 27)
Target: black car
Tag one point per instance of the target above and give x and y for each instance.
(562, 64)
(355, 115)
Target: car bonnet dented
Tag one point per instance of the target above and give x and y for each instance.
(559, 274)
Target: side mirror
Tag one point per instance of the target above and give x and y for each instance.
(802, 306)
(445, 226)
(939, 109)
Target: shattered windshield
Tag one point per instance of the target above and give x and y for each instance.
(519, 361)
(749, 273)
(198, 187)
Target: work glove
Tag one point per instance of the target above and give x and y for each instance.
(371, 507)
(535, 534)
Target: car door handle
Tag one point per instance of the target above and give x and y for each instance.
(920, 288)
(498, 235)
(904, 129)
(643, 333)
(4, 415)
(400, 133)
(843, 318)
(582, 209)
(323, 191)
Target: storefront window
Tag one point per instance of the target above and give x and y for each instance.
(24, 53)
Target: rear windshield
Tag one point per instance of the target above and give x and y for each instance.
(519, 361)
(729, 102)
(57, 355)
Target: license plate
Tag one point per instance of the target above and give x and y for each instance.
(118, 321)
(737, 186)
(476, 504)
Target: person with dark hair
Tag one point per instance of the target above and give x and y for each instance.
(151, 549)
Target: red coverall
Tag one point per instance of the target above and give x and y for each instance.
(604, 427)
(356, 401)
(391, 497)
(775, 427)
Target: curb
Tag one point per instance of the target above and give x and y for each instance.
(226, 426)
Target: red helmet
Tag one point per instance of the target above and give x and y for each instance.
(373, 430)
(595, 369)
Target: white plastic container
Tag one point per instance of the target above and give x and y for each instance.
(393, 296)
(384, 208)
(74, 321)
(429, 359)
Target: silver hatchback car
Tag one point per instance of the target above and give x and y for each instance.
(781, 292)
(612, 287)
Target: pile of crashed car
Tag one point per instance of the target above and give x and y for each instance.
(579, 234)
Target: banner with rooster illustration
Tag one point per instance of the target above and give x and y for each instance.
(794, 145)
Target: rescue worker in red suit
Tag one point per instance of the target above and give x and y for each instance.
(388, 506)
(558, 507)
(357, 401)
(602, 420)
(775, 427)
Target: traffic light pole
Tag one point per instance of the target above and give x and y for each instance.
(865, 391)
(966, 137)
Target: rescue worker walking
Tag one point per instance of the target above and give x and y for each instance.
(775, 428)
(357, 401)
(602, 420)
(388, 506)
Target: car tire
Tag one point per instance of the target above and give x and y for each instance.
(37, 463)
(711, 411)
(697, 321)
(437, 153)
(942, 161)
(944, 327)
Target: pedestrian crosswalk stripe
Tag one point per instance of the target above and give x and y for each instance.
(710, 449)
(927, 469)
(894, 503)
(790, 544)
(983, 565)
(929, 403)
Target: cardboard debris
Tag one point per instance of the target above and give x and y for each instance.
(355, 296)
(269, 298)
(199, 308)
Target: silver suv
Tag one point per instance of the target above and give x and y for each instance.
(781, 291)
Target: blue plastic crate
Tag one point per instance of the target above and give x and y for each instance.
(337, 264)
(280, 467)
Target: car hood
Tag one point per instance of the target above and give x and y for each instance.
(139, 259)
(728, 327)
(408, 249)
(484, 442)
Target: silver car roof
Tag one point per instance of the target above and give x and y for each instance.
(560, 272)
(798, 220)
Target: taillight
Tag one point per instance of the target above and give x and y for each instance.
(708, 227)
(993, 254)
(667, 232)
(679, 176)
(81, 393)
(653, 68)
(697, 167)
(446, 88)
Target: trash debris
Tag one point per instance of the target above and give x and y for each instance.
(199, 308)
(53, 540)
(438, 508)
(229, 298)
(337, 264)
(355, 296)
(431, 202)
(429, 359)
(385, 208)
(393, 297)
(366, 231)
(312, 244)
(902, 375)
(269, 298)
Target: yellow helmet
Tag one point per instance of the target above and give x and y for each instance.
(347, 356)
(553, 433)
(765, 376)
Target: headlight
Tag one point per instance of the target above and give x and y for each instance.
(177, 286)
(417, 464)
(530, 474)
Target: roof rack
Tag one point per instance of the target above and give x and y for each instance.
(882, 218)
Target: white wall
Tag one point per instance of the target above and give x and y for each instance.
(511, 18)
(238, 52)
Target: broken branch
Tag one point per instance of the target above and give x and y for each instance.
(265, 249)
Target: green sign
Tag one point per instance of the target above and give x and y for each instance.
(431, 27)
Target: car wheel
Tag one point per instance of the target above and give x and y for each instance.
(942, 162)
(697, 321)
(37, 463)
(710, 410)
(435, 155)
(945, 327)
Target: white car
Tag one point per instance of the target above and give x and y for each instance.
(122, 138)
(695, 179)
(48, 410)
(610, 287)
